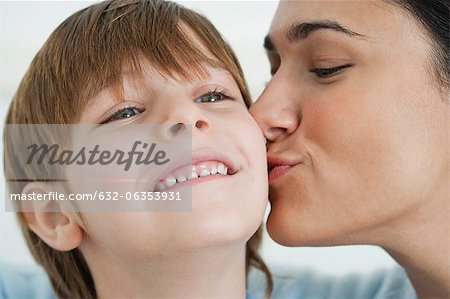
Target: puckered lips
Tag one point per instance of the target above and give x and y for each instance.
(205, 165)
(278, 166)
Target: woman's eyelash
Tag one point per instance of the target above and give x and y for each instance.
(328, 72)
(123, 113)
(273, 71)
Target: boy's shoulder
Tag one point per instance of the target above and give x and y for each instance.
(390, 283)
(32, 282)
(24, 281)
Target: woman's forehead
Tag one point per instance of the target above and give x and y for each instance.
(365, 17)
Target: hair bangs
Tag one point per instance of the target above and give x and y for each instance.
(130, 35)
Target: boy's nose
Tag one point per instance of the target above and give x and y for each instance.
(183, 117)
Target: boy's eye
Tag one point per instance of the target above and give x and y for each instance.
(329, 72)
(213, 96)
(124, 113)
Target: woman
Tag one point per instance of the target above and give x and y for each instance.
(357, 117)
(126, 63)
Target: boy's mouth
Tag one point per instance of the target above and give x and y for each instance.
(193, 172)
(202, 165)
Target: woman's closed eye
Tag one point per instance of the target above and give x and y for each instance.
(329, 72)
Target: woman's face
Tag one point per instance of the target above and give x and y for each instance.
(228, 207)
(357, 125)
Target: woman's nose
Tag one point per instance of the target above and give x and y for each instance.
(275, 116)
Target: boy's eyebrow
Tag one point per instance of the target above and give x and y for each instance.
(302, 30)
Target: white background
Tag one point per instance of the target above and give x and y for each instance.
(24, 26)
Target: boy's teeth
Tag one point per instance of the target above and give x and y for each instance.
(224, 170)
(204, 172)
(221, 168)
(213, 169)
(199, 170)
(170, 181)
(181, 178)
(160, 186)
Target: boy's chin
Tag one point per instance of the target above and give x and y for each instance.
(220, 230)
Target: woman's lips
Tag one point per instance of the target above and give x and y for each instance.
(277, 171)
(279, 166)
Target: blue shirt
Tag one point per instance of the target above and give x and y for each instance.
(17, 282)
(24, 282)
(308, 284)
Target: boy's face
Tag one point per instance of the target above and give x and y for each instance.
(357, 129)
(227, 207)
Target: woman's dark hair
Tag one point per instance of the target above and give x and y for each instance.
(434, 16)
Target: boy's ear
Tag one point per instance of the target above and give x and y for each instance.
(59, 229)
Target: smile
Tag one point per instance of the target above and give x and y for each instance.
(192, 173)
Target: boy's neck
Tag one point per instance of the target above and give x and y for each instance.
(208, 273)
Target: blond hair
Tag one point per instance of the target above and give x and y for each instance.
(84, 55)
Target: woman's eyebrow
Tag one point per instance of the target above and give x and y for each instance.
(303, 30)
